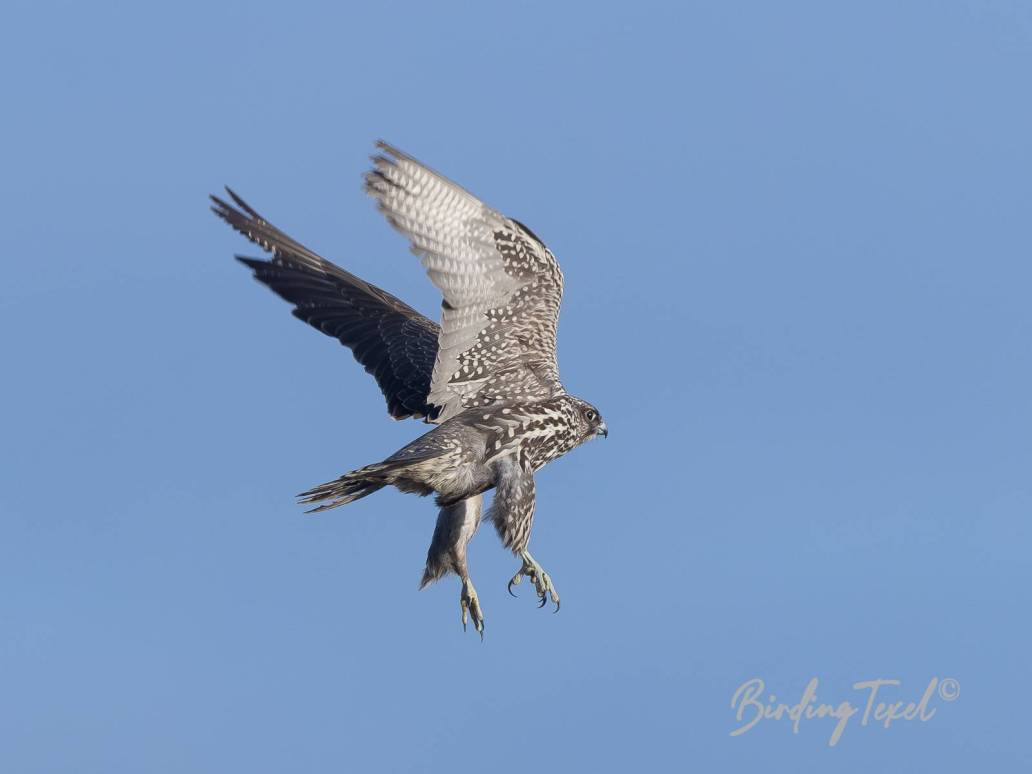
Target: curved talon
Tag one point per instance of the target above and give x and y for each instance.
(469, 603)
(541, 580)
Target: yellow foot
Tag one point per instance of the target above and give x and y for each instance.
(470, 604)
(541, 580)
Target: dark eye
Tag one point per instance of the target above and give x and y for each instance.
(591, 415)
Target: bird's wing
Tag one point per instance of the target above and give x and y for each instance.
(394, 342)
(502, 287)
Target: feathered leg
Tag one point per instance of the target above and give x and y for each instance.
(512, 512)
(456, 525)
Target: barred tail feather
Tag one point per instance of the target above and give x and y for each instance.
(349, 487)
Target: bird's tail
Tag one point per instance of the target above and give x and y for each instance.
(351, 486)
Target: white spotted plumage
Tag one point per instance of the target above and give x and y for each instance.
(502, 287)
(487, 377)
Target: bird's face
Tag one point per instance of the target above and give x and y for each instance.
(590, 421)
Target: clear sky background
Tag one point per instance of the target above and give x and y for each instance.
(797, 249)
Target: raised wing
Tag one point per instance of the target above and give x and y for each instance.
(394, 342)
(502, 287)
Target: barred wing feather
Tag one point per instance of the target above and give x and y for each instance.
(501, 286)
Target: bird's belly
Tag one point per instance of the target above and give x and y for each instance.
(457, 481)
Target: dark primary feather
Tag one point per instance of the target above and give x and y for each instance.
(394, 342)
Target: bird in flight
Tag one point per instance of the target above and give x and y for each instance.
(486, 376)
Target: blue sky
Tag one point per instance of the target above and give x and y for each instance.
(796, 244)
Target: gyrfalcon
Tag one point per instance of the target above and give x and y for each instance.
(487, 376)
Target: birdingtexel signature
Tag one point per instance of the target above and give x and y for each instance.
(883, 707)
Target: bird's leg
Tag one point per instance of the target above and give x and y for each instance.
(513, 515)
(541, 580)
(456, 525)
(470, 604)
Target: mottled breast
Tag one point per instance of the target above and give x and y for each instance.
(535, 433)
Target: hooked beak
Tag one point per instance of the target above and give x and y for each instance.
(602, 430)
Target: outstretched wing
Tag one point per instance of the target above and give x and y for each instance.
(394, 342)
(502, 287)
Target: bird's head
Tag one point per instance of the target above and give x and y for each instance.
(589, 420)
